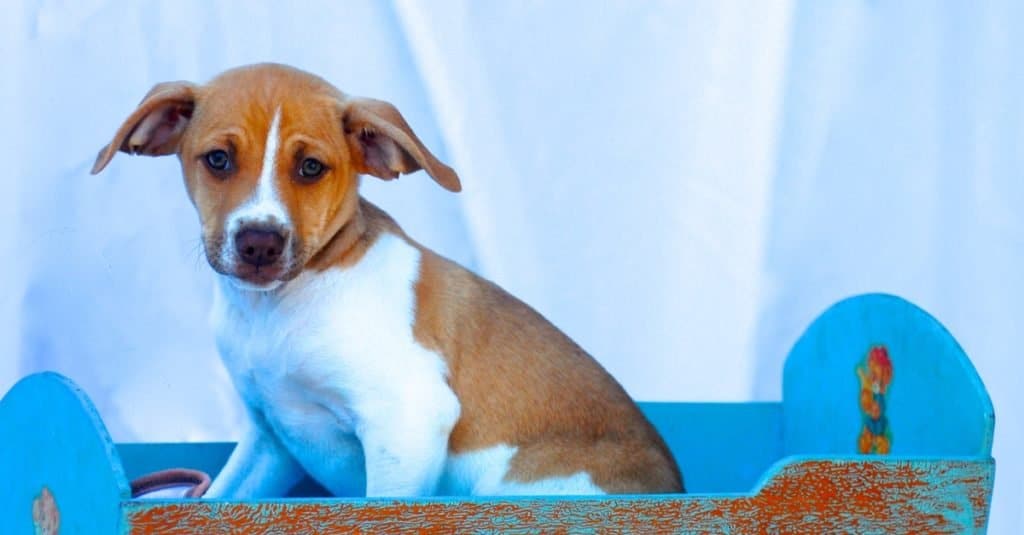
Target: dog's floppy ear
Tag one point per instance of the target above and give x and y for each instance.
(384, 146)
(155, 127)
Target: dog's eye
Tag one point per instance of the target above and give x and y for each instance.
(311, 168)
(218, 160)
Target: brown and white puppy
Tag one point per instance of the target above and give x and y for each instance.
(365, 359)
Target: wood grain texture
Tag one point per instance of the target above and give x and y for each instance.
(866, 495)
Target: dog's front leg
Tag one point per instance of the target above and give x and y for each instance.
(403, 464)
(258, 467)
(405, 448)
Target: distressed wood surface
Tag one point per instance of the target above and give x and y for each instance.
(864, 495)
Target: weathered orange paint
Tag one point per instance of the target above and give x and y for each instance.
(926, 496)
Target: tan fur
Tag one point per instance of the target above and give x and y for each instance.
(520, 381)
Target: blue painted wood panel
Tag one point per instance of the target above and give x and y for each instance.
(935, 403)
(51, 438)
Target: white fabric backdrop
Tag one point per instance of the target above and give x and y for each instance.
(681, 187)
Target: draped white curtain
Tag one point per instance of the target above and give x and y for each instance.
(680, 186)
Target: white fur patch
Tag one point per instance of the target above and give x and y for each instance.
(578, 484)
(482, 473)
(477, 472)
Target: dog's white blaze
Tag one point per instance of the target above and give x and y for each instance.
(265, 205)
(267, 202)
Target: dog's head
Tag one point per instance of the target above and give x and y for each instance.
(271, 158)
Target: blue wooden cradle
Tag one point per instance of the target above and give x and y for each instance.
(884, 427)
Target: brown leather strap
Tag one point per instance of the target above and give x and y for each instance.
(172, 478)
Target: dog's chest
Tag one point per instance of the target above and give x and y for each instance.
(316, 358)
(279, 369)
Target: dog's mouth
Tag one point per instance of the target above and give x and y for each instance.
(258, 277)
(248, 276)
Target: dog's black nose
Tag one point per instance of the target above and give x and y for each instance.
(259, 247)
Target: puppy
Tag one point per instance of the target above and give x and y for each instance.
(366, 360)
